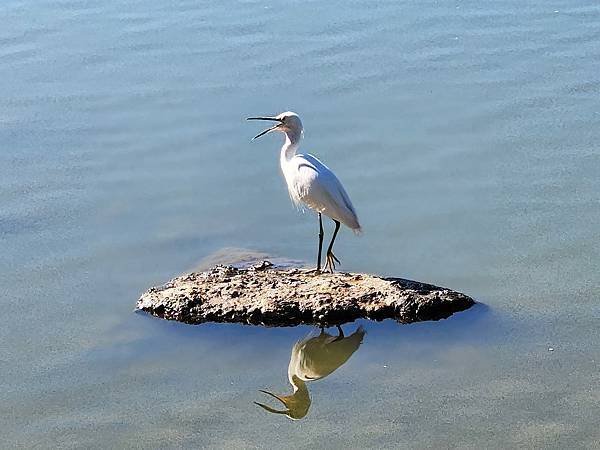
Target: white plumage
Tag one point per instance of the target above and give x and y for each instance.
(311, 183)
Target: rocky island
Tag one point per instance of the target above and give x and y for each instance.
(264, 294)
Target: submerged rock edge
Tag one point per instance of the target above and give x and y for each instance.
(270, 296)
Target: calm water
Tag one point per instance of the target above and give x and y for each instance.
(466, 133)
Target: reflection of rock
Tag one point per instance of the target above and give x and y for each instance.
(283, 297)
(312, 359)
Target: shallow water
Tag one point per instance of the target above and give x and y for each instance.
(466, 134)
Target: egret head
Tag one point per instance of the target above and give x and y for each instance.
(296, 405)
(287, 122)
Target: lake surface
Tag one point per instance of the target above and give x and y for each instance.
(466, 133)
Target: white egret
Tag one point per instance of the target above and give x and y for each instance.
(313, 358)
(311, 183)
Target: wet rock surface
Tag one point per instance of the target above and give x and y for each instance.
(271, 296)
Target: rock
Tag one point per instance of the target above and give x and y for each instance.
(271, 296)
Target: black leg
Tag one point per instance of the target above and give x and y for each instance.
(331, 259)
(340, 335)
(320, 243)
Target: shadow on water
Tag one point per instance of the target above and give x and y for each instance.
(314, 358)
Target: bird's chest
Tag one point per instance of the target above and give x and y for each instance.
(299, 179)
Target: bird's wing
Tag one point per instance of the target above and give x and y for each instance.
(318, 187)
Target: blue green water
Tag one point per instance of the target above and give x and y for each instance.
(465, 132)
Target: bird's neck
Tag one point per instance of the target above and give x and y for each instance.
(299, 386)
(291, 144)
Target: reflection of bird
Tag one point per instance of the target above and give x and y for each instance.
(312, 183)
(312, 359)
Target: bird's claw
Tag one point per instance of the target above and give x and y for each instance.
(331, 262)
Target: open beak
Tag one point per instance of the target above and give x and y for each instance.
(268, 130)
(270, 409)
